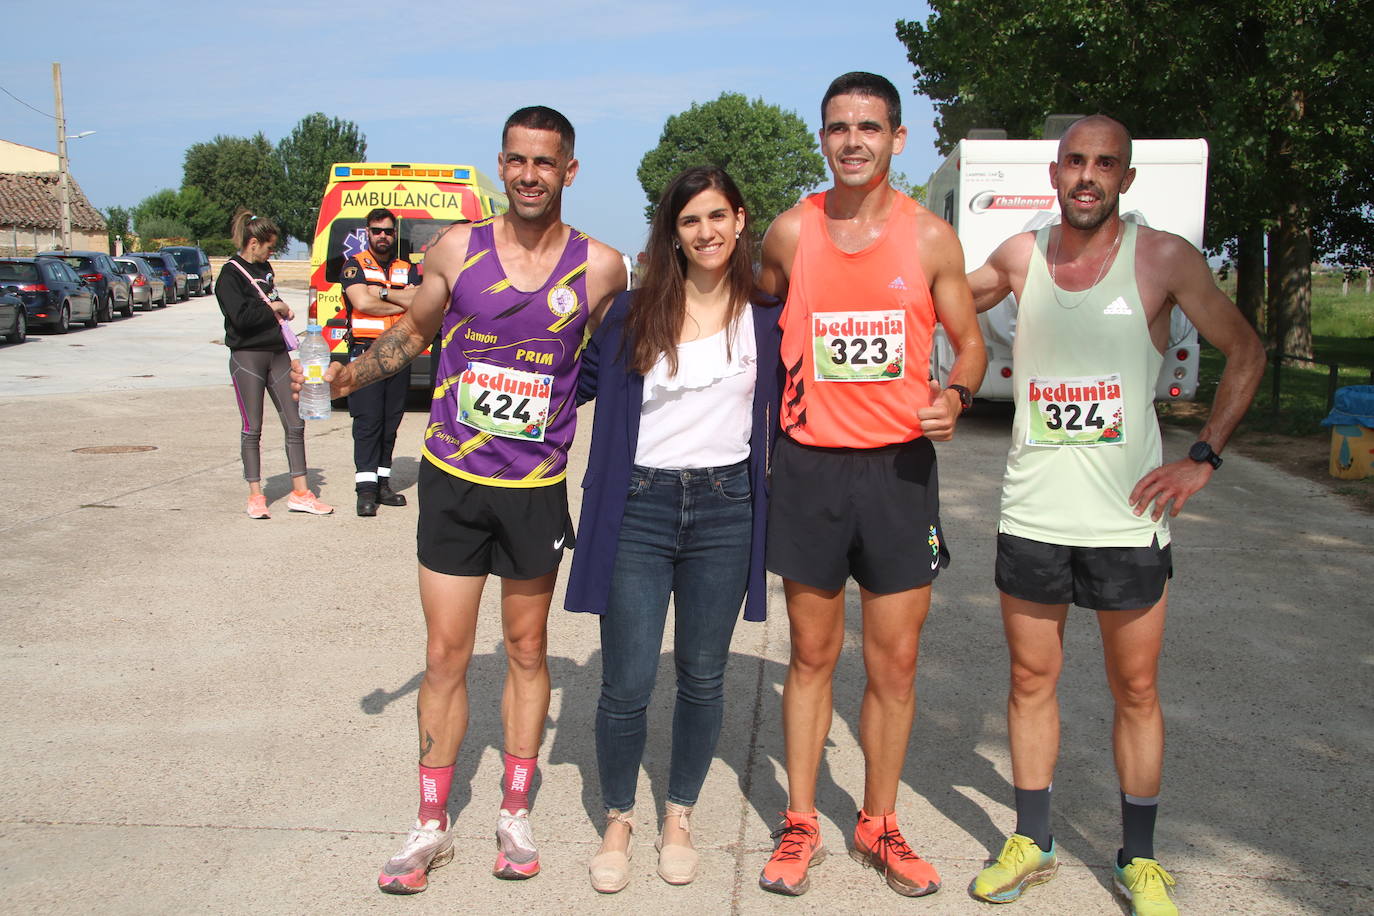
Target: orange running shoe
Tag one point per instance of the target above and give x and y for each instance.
(879, 844)
(307, 501)
(799, 847)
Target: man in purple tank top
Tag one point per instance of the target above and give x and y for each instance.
(513, 296)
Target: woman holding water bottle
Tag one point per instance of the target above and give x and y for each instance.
(257, 334)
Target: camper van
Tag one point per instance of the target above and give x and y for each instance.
(989, 190)
(426, 199)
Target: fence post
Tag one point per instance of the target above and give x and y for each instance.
(1274, 387)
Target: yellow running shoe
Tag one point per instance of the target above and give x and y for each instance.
(1021, 864)
(1145, 884)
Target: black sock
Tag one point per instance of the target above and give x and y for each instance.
(1137, 828)
(1033, 815)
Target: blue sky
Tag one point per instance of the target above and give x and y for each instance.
(432, 81)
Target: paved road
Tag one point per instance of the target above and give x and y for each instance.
(181, 346)
(209, 714)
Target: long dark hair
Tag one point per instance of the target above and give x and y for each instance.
(660, 302)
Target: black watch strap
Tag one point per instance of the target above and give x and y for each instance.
(965, 396)
(1202, 451)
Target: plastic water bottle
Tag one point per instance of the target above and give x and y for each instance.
(314, 357)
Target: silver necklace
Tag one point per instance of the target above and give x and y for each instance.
(1101, 271)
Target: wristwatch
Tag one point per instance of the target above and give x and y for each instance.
(1201, 452)
(965, 396)
(385, 293)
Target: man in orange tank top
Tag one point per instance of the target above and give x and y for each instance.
(866, 273)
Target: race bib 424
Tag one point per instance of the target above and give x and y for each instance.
(504, 402)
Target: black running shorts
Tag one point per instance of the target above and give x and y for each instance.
(870, 513)
(1097, 578)
(469, 529)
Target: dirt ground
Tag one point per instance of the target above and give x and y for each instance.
(1305, 456)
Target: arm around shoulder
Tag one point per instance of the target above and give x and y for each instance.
(606, 279)
(1003, 274)
(601, 348)
(779, 250)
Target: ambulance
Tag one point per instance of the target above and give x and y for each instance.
(426, 199)
(989, 190)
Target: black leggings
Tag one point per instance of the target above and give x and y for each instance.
(254, 372)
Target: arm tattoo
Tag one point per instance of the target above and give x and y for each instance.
(392, 352)
(426, 745)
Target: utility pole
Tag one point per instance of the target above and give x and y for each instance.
(64, 182)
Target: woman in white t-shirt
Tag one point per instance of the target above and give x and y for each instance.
(686, 373)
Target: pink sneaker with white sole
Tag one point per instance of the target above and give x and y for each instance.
(308, 502)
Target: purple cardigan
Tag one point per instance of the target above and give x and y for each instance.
(619, 395)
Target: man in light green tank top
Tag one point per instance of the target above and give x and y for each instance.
(1087, 488)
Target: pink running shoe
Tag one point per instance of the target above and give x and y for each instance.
(426, 847)
(308, 502)
(257, 506)
(516, 857)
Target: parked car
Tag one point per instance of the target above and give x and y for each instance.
(14, 321)
(145, 285)
(172, 275)
(195, 263)
(98, 269)
(53, 294)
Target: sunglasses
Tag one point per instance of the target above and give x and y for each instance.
(391, 231)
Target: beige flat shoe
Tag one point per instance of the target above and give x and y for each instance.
(677, 864)
(609, 870)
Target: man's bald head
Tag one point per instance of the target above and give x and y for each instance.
(1098, 123)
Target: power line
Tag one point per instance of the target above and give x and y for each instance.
(26, 104)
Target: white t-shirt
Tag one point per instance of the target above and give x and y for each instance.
(701, 417)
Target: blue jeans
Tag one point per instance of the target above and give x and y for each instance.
(685, 533)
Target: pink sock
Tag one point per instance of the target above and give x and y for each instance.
(515, 786)
(434, 785)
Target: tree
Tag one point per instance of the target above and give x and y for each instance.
(188, 213)
(156, 231)
(305, 155)
(1280, 89)
(158, 205)
(916, 192)
(118, 222)
(768, 152)
(205, 218)
(235, 172)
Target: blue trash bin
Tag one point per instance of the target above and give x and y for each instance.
(1352, 432)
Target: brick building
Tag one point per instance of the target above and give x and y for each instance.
(31, 208)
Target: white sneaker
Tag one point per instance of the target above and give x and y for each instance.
(516, 856)
(426, 847)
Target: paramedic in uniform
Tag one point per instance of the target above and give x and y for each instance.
(379, 287)
(865, 272)
(1086, 491)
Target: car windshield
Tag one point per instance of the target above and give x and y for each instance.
(75, 263)
(127, 267)
(18, 272)
(186, 258)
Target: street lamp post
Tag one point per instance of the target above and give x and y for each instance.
(64, 179)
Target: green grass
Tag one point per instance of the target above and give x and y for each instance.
(1334, 315)
(1342, 333)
